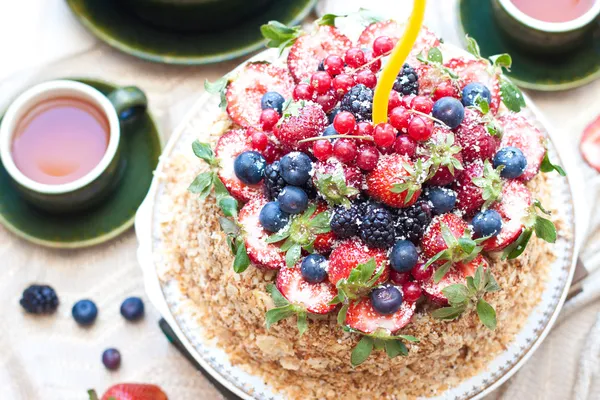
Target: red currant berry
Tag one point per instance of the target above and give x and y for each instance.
(382, 45)
(344, 122)
(320, 81)
(422, 104)
(407, 100)
(268, 118)
(259, 139)
(345, 150)
(322, 149)
(400, 118)
(342, 84)
(364, 129)
(374, 63)
(367, 78)
(384, 135)
(355, 57)
(411, 291)
(394, 100)
(271, 153)
(445, 89)
(367, 158)
(327, 101)
(420, 274)
(420, 128)
(334, 65)
(399, 278)
(303, 91)
(405, 145)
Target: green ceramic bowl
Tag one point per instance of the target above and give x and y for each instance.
(195, 15)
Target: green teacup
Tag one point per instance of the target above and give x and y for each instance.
(195, 15)
(93, 187)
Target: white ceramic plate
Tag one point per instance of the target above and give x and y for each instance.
(178, 312)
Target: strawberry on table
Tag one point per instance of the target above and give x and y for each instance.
(396, 181)
(301, 120)
(314, 297)
(131, 391)
(262, 254)
(478, 71)
(350, 254)
(590, 144)
(362, 316)
(245, 92)
(518, 132)
(310, 49)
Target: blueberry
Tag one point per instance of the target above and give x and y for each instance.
(513, 160)
(313, 268)
(487, 223)
(474, 90)
(111, 358)
(293, 200)
(332, 114)
(272, 218)
(295, 168)
(321, 66)
(329, 131)
(450, 111)
(272, 100)
(403, 256)
(442, 199)
(132, 308)
(84, 312)
(386, 300)
(249, 167)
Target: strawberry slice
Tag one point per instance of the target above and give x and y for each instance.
(314, 297)
(430, 78)
(433, 242)
(394, 30)
(514, 208)
(246, 90)
(349, 254)
(471, 71)
(131, 391)
(262, 254)
(456, 275)
(518, 132)
(590, 144)
(362, 316)
(228, 147)
(310, 49)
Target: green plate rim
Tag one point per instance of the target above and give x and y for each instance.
(99, 239)
(181, 60)
(527, 84)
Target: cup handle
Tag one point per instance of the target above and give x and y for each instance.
(128, 102)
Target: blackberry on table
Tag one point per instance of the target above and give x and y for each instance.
(407, 82)
(344, 222)
(39, 299)
(274, 182)
(358, 101)
(412, 221)
(377, 228)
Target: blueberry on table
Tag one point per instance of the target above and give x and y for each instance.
(293, 200)
(313, 268)
(513, 160)
(487, 223)
(404, 256)
(295, 168)
(450, 111)
(386, 300)
(84, 312)
(111, 358)
(249, 167)
(474, 90)
(272, 100)
(39, 299)
(272, 218)
(132, 308)
(442, 199)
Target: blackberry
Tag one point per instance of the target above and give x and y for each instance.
(321, 66)
(274, 182)
(344, 223)
(413, 221)
(310, 189)
(359, 101)
(377, 228)
(407, 82)
(39, 299)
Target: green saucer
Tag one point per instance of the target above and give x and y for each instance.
(123, 30)
(141, 148)
(531, 71)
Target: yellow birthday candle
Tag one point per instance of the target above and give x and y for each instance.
(396, 61)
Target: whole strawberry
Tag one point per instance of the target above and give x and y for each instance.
(396, 181)
(131, 391)
(476, 142)
(433, 240)
(301, 120)
(479, 185)
(350, 254)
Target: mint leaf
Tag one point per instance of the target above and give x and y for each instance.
(511, 95)
(518, 247)
(293, 255)
(279, 35)
(467, 245)
(229, 227)
(447, 313)
(301, 322)
(408, 338)
(204, 152)
(441, 272)
(482, 105)
(487, 314)
(502, 61)
(274, 315)
(491, 284)
(548, 166)
(229, 206)
(276, 295)
(394, 348)
(218, 87)
(341, 317)
(456, 294)
(473, 47)
(361, 351)
(202, 184)
(435, 55)
(241, 260)
(327, 20)
(545, 229)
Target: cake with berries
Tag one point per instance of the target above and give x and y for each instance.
(337, 257)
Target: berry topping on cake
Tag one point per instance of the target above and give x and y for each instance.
(300, 121)
(412, 221)
(396, 181)
(518, 132)
(358, 101)
(363, 317)
(407, 82)
(352, 253)
(312, 296)
(376, 227)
